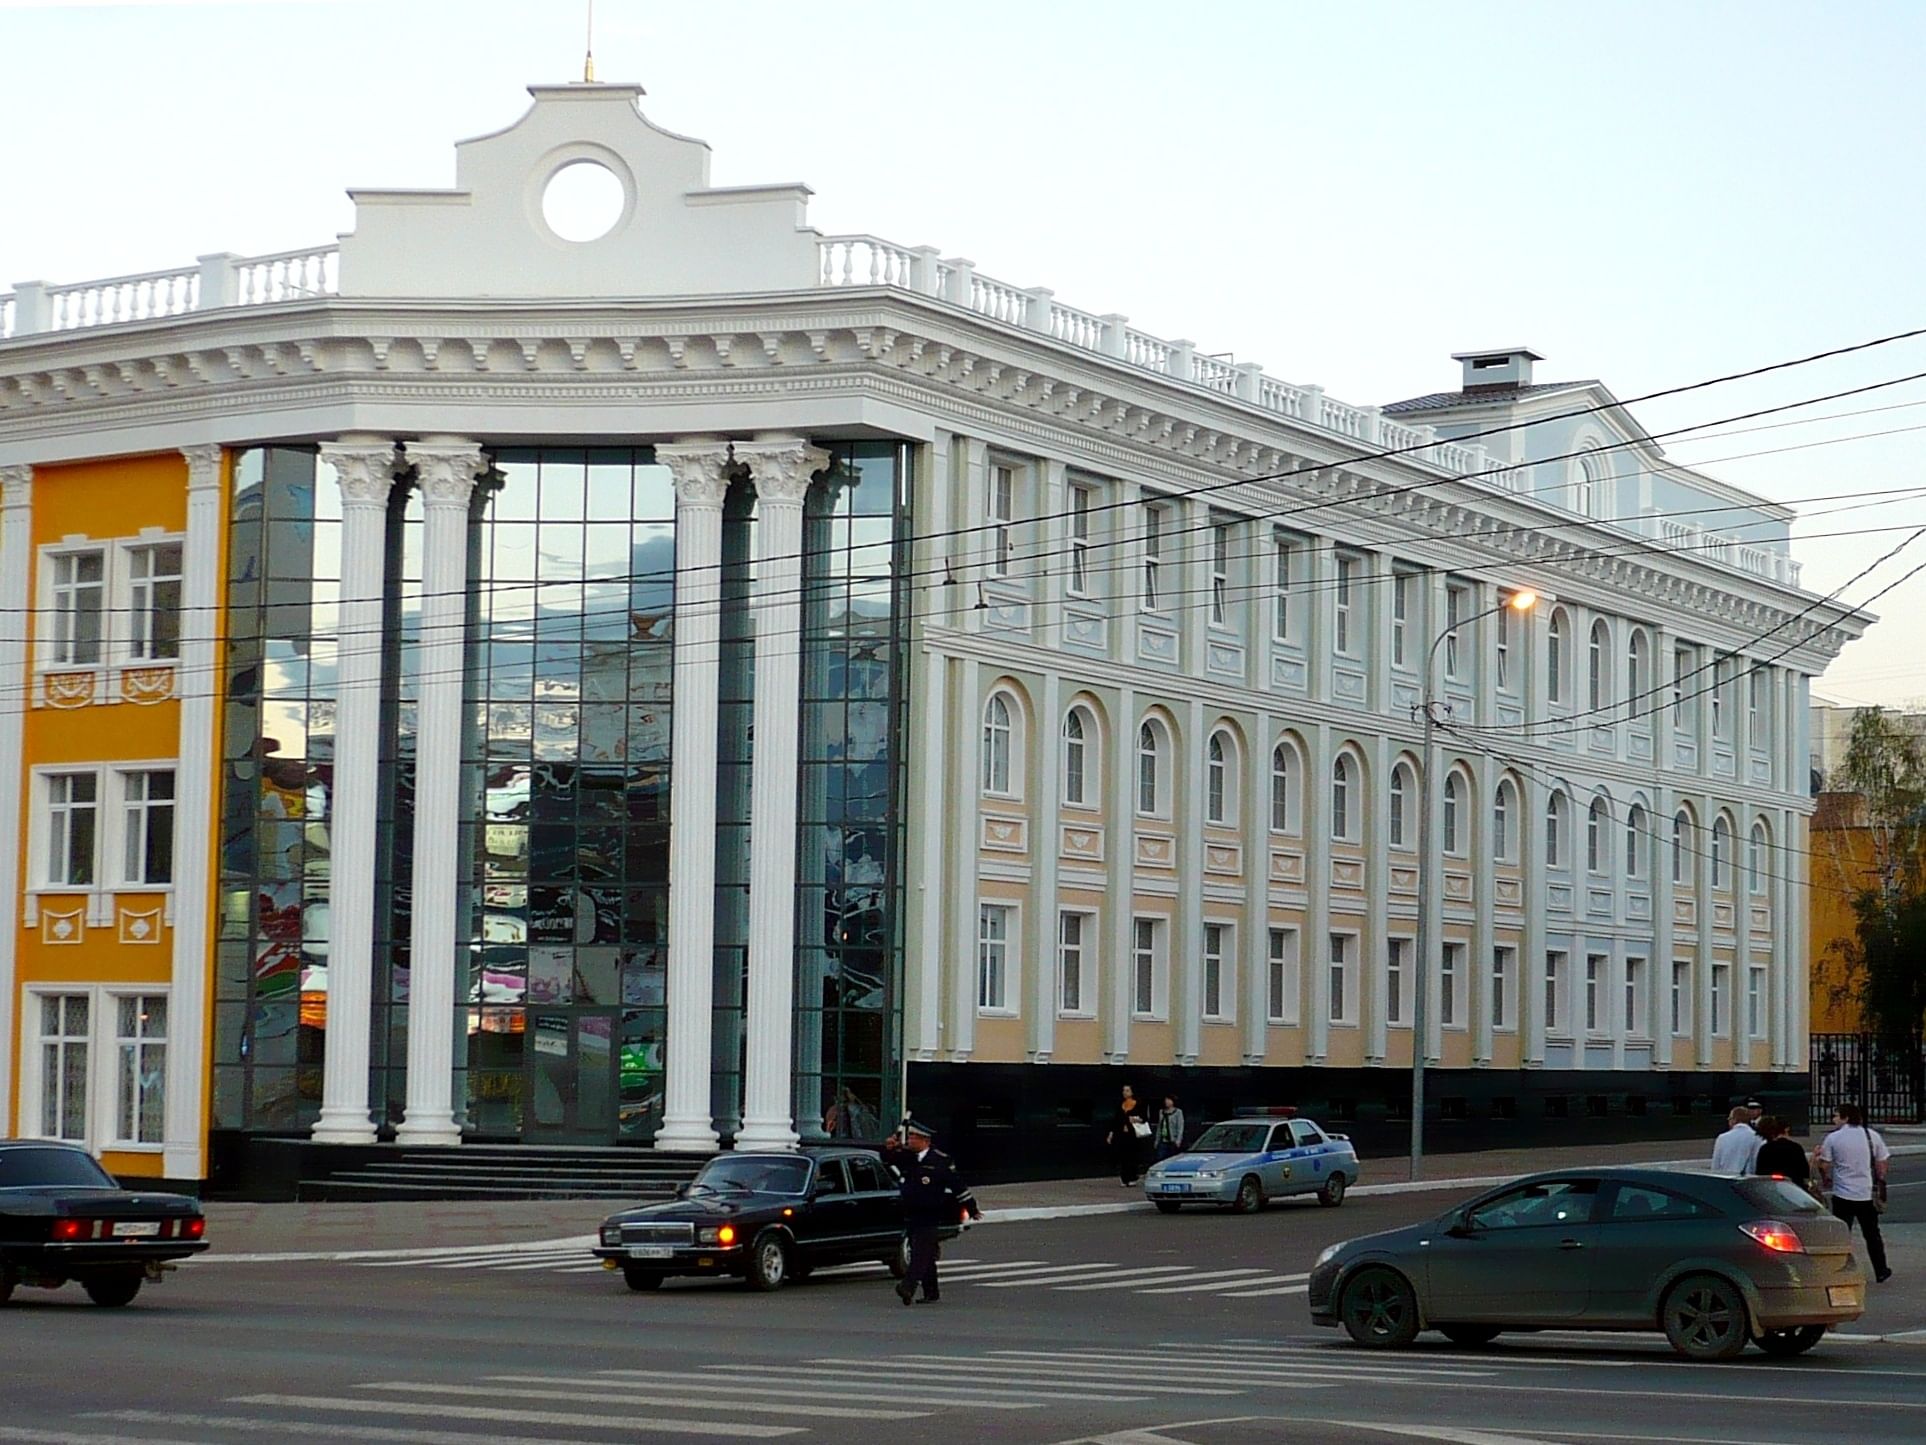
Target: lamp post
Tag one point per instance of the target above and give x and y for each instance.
(1521, 601)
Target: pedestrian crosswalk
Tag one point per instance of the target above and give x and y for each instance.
(1095, 1276)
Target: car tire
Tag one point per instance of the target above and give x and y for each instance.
(1167, 1206)
(1379, 1309)
(768, 1262)
(1470, 1337)
(1332, 1194)
(1250, 1196)
(111, 1291)
(897, 1260)
(642, 1281)
(1704, 1318)
(1784, 1344)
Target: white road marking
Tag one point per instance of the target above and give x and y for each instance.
(1453, 1436)
(69, 1437)
(1251, 1276)
(670, 1400)
(1192, 1281)
(473, 1258)
(356, 1256)
(1204, 1367)
(1008, 1266)
(1147, 1274)
(1500, 1356)
(1261, 1293)
(724, 1385)
(939, 1392)
(971, 1368)
(336, 1429)
(1067, 1273)
(638, 1423)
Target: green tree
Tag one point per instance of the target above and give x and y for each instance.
(1885, 958)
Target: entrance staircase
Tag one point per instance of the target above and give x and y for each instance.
(484, 1171)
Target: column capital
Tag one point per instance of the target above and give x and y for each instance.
(203, 466)
(16, 484)
(446, 472)
(781, 467)
(366, 469)
(700, 469)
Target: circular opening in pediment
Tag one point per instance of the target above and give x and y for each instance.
(583, 201)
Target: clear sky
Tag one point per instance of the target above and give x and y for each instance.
(1645, 191)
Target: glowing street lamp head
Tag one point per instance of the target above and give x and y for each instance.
(1523, 601)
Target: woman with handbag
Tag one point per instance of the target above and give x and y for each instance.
(1128, 1131)
(1170, 1130)
(1852, 1162)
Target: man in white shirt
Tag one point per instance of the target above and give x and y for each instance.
(1852, 1161)
(1737, 1149)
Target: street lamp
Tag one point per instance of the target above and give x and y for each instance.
(1521, 601)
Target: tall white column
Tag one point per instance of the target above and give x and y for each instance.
(1117, 968)
(365, 467)
(1046, 786)
(197, 686)
(446, 469)
(16, 570)
(1187, 927)
(701, 472)
(782, 468)
(1255, 944)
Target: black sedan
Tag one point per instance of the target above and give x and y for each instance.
(766, 1218)
(1713, 1260)
(63, 1218)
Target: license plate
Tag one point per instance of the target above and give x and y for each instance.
(1176, 1189)
(137, 1229)
(651, 1251)
(1842, 1296)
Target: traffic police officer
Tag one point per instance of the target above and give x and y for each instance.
(933, 1197)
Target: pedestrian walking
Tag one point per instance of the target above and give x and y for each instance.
(1128, 1131)
(1170, 1129)
(933, 1196)
(1735, 1151)
(1852, 1161)
(1780, 1155)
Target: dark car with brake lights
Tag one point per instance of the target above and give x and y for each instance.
(1711, 1260)
(65, 1219)
(766, 1218)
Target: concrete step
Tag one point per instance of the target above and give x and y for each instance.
(339, 1188)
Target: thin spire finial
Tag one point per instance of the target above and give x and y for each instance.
(588, 53)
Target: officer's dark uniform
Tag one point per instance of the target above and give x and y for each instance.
(933, 1196)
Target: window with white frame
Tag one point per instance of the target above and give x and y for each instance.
(72, 852)
(79, 607)
(1508, 625)
(1404, 587)
(154, 601)
(1636, 670)
(1457, 609)
(62, 1049)
(1220, 566)
(1397, 982)
(1081, 499)
(1453, 978)
(1681, 1010)
(1400, 802)
(1077, 733)
(1453, 810)
(1281, 981)
(1283, 790)
(1282, 551)
(1585, 486)
(1755, 1021)
(1217, 988)
(1555, 658)
(110, 826)
(1150, 769)
(1755, 694)
(1147, 968)
(1721, 853)
(1595, 965)
(1598, 680)
(140, 1063)
(993, 962)
(1074, 992)
(1343, 977)
(1595, 845)
(1681, 825)
(1755, 870)
(1504, 969)
(1721, 684)
(1636, 841)
(1557, 966)
(1635, 984)
(1152, 599)
(1343, 821)
(1721, 988)
(1503, 807)
(997, 745)
(1220, 791)
(96, 1069)
(1684, 664)
(1002, 516)
(1557, 814)
(1347, 574)
(147, 827)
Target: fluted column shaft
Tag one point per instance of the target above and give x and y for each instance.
(782, 469)
(16, 567)
(701, 472)
(365, 468)
(446, 471)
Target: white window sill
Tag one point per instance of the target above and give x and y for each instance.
(1219, 1019)
(1344, 1023)
(1281, 1023)
(1149, 1018)
(985, 1012)
(1504, 1028)
(134, 1148)
(1074, 1014)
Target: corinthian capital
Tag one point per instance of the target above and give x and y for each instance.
(203, 466)
(366, 470)
(782, 467)
(700, 469)
(16, 484)
(447, 472)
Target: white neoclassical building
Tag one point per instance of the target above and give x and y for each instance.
(677, 677)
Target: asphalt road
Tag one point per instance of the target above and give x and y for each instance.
(1092, 1328)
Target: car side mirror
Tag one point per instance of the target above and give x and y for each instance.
(1461, 1226)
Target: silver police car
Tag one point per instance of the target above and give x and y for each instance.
(1244, 1162)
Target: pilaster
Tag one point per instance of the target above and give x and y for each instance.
(1187, 931)
(1315, 952)
(1659, 861)
(966, 811)
(1374, 984)
(1046, 788)
(1255, 939)
(16, 573)
(1120, 848)
(1533, 797)
(1482, 863)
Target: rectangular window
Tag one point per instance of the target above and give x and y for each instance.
(1397, 975)
(1755, 1027)
(140, 1043)
(1281, 589)
(1153, 555)
(147, 809)
(1504, 963)
(1451, 987)
(154, 602)
(1281, 990)
(1403, 586)
(1457, 608)
(1071, 980)
(1635, 1022)
(1220, 562)
(1681, 998)
(1343, 962)
(1595, 993)
(1080, 501)
(73, 827)
(1721, 680)
(1507, 640)
(65, 1026)
(993, 958)
(1347, 570)
(1755, 694)
(1216, 936)
(79, 606)
(1556, 961)
(1721, 985)
(1002, 512)
(1683, 663)
(1145, 956)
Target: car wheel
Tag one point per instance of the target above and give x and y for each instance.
(1784, 1344)
(113, 1290)
(1250, 1196)
(768, 1262)
(897, 1260)
(1379, 1309)
(641, 1280)
(1168, 1206)
(1332, 1194)
(1470, 1336)
(1705, 1318)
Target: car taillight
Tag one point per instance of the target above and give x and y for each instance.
(73, 1229)
(193, 1228)
(1775, 1236)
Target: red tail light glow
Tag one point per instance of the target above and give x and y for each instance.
(73, 1229)
(193, 1228)
(1775, 1236)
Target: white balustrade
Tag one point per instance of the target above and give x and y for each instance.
(1076, 328)
(998, 300)
(6, 314)
(286, 276)
(1216, 373)
(1141, 349)
(120, 299)
(866, 261)
(1280, 397)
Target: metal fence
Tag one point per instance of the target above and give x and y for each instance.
(1883, 1078)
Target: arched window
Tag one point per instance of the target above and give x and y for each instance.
(1681, 825)
(1218, 798)
(1401, 790)
(1595, 844)
(1150, 768)
(1503, 805)
(1453, 810)
(996, 745)
(1341, 798)
(1557, 816)
(1076, 757)
(1586, 490)
(1638, 671)
(1555, 658)
(1635, 850)
(1755, 860)
(1721, 852)
(1598, 670)
(1283, 791)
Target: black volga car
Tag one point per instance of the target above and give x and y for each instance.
(765, 1218)
(63, 1218)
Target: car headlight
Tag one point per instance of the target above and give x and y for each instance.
(611, 1234)
(1330, 1253)
(723, 1234)
(1210, 1174)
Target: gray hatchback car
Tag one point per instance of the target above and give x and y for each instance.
(1713, 1260)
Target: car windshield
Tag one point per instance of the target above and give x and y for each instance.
(1780, 1196)
(763, 1176)
(1232, 1139)
(38, 1168)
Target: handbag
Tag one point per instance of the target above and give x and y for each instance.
(1140, 1128)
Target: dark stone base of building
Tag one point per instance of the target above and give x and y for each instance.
(1007, 1122)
